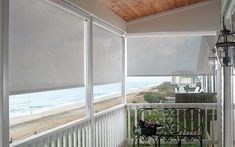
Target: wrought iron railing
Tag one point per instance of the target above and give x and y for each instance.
(210, 118)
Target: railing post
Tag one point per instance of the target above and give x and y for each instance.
(88, 44)
(228, 107)
(4, 102)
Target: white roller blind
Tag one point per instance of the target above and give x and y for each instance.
(153, 56)
(46, 47)
(107, 54)
(203, 64)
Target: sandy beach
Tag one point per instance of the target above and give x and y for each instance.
(26, 126)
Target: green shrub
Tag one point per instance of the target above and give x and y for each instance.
(151, 97)
(168, 88)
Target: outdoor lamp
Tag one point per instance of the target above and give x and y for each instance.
(212, 60)
(225, 47)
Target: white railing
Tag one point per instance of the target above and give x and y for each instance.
(109, 126)
(210, 117)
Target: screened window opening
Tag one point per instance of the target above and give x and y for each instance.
(107, 62)
(46, 67)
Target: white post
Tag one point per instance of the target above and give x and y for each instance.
(124, 69)
(218, 90)
(4, 102)
(88, 44)
(228, 108)
(124, 100)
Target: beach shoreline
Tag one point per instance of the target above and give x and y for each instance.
(25, 126)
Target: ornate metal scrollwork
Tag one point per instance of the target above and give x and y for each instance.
(175, 123)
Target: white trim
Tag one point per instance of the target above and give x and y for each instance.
(169, 34)
(192, 74)
(70, 8)
(172, 11)
(180, 105)
(107, 26)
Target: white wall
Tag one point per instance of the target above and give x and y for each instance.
(98, 9)
(203, 18)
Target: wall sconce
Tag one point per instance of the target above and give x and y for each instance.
(225, 47)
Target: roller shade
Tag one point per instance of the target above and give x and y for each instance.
(159, 56)
(107, 54)
(207, 43)
(45, 47)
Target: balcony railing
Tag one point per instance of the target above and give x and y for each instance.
(113, 127)
(210, 127)
(109, 132)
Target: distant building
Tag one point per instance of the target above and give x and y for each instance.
(184, 80)
(186, 83)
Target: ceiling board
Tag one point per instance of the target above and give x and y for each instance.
(133, 9)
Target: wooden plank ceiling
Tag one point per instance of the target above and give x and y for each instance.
(133, 9)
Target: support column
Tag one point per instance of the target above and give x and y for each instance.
(218, 90)
(88, 44)
(124, 100)
(228, 108)
(4, 102)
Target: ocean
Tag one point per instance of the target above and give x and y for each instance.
(31, 103)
